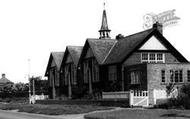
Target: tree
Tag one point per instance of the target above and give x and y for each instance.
(41, 86)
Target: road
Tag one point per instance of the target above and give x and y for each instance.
(21, 115)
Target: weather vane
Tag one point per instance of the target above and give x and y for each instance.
(166, 18)
(104, 4)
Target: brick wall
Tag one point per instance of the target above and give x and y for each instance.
(154, 76)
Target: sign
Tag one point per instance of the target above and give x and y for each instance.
(166, 18)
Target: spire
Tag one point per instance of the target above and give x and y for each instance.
(104, 30)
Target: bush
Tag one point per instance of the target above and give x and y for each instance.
(181, 101)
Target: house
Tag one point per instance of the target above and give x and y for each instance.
(140, 65)
(69, 68)
(54, 75)
(4, 81)
(143, 61)
(147, 61)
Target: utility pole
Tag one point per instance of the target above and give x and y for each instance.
(29, 91)
(33, 86)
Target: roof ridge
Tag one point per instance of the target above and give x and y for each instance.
(74, 46)
(100, 39)
(139, 32)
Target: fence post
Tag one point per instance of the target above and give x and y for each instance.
(131, 97)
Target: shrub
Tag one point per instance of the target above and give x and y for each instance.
(181, 101)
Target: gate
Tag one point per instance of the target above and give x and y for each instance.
(139, 98)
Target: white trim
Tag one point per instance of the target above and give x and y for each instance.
(156, 60)
(153, 44)
(109, 52)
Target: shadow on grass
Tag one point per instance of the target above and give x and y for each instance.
(175, 115)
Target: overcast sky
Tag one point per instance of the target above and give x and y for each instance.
(31, 29)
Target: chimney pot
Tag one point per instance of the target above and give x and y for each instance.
(158, 26)
(3, 75)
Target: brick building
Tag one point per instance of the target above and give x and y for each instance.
(54, 74)
(142, 61)
(69, 67)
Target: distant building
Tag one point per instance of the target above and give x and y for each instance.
(4, 81)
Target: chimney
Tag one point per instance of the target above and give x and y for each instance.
(158, 26)
(119, 36)
(3, 75)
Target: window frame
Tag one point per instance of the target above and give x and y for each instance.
(135, 77)
(163, 76)
(188, 75)
(150, 59)
(112, 73)
(176, 76)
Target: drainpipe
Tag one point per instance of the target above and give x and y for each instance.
(122, 79)
(90, 82)
(69, 87)
(53, 88)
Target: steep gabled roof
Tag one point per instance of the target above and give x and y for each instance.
(5, 81)
(126, 46)
(57, 57)
(99, 47)
(74, 51)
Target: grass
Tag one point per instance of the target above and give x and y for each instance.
(141, 114)
(53, 109)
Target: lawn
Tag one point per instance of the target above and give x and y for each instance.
(53, 109)
(141, 114)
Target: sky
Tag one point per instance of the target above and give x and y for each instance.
(31, 29)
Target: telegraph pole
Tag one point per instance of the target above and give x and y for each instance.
(33, 86)
(29, 91)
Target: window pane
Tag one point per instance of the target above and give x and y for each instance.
(176, 76)
(112, 73)
(188, 75)
(163, 75)
(180, 76)
(159, 56)
(145, 56)
(152, 56)
(135, 77)
(171, 75)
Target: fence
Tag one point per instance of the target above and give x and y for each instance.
(136, 97)
(115, 95)
(33, 98)
(139, 98)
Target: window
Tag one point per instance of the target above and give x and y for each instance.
(66, 75)
(171, 76)
(159, 57)
(135, 77)
(163, 75)
(152, 58)
(145, 57)
(95, 71)
(85, 66)
(112, 73)
(73, 74)
(188, 75)
(176, 76)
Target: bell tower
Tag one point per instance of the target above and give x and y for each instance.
(104, 30)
